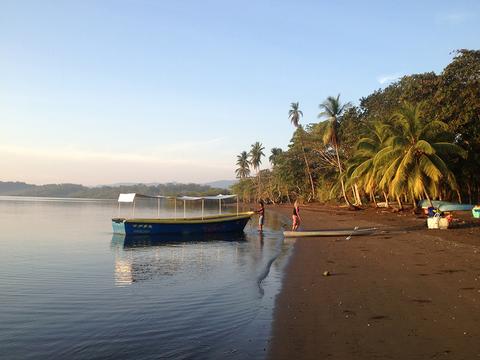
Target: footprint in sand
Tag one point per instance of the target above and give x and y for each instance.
(380, 317)
(449, 271)
(422, 301)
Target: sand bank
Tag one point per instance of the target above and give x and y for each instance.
(405, 293)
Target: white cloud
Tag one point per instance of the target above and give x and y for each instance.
(385, 79)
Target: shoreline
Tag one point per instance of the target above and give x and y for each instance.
(406, 292)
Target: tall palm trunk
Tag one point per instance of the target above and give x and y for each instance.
(341, 174)
(386, 199)
(357, 194)
(428, 198)
(400, 206)
(307, 165)
(469, 188)
(459, 197)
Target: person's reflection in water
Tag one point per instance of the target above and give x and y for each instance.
(260, 239)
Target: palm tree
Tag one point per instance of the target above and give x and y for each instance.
(275, 153)
(256, 154)
(294, 114)
(332, 110)
(362, 170)
(413, 163)
(243, 164)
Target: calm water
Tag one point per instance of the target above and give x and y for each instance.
(70, 289)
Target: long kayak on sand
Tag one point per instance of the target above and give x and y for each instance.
(338, 232)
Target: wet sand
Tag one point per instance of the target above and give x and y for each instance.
(404, 293)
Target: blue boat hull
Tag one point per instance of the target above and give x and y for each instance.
(183, 227)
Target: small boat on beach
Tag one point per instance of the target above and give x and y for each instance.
(221, 223)
(456, 207)
(337, 232)
(445, 205)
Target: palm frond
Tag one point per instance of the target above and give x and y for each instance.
(429, 168)
(425, 147)
(432, 129)
(445, 148)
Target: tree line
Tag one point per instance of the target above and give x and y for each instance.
(418, 138)
(106, 192)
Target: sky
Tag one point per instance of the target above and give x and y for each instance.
(100, 92)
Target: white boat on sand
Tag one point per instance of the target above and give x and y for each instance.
(334, 232)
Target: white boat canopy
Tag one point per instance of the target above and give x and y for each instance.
(130, 198)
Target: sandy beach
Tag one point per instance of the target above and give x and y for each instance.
(405, 293)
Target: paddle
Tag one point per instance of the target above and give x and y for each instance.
(350, 236)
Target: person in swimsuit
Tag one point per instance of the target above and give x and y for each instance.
(296, 216)
(261, 212)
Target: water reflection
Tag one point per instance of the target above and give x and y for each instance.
(145, 240)
(145, 257)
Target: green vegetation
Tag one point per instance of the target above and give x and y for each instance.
(418, 138)
(294, 114)
(105, 192)
(243, 170)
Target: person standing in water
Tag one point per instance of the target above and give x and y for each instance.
(261, 213)
(296, 216)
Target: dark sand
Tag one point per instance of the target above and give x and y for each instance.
(405, 293)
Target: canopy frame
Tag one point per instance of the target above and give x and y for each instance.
(131, 197)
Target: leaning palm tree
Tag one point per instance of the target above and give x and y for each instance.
(256, 154)
(294, 114)
(243, 163)
(414, 163)
(332, 110)
(275, 153)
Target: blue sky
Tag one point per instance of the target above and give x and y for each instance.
(97, 92)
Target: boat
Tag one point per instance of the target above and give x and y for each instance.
(445, 205)
(214, 224)
(425, 204)
(335, 232)
(221, 223)
(455, 207)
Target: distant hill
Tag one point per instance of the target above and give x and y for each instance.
(221, 184)
(105, 192)
(10, 187)
(130, 184)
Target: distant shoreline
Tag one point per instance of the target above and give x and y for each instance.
(105, 192)
(27, 197)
